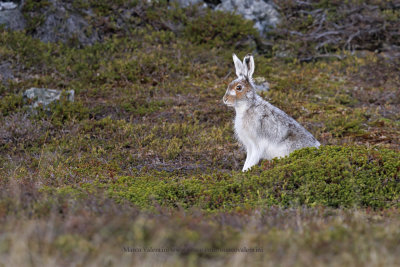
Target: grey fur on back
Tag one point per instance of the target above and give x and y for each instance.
(275, 125)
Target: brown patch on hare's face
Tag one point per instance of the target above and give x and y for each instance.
(236, 90)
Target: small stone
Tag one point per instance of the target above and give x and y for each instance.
(7, 5)
(36, 97)
(261, 84)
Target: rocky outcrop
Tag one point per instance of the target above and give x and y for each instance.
(263, 13)
(62, 22)
(57, 20)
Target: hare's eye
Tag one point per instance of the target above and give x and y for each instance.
(239, 87)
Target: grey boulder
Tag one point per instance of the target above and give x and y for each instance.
(63, 23)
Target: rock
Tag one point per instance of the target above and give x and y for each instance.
(64, 23)
(36, 97)
(263, 13)
(11, 16)
(212, 3)
(186, 3)
(7, 5)
(5, 72)
(61, 22)
(261, 84)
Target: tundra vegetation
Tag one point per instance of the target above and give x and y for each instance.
(146, 157)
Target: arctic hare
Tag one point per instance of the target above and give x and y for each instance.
(265, 131)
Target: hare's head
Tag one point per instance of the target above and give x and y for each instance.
(241, 89)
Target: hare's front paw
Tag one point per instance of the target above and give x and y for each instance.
(248, 165)
(245, 169)
(253, 157)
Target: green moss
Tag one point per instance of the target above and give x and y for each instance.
(330, 176)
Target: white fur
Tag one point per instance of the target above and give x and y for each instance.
(265, 131)
(256, 148)
(249, 66)
(239, 67)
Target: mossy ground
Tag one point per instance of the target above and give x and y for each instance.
(146, 156)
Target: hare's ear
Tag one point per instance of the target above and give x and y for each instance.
(238, 66)
(248, 63)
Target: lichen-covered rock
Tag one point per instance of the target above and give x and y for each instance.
(36, 97)
(63, 23)
(50, 21)
(262, 12)
(54, 21)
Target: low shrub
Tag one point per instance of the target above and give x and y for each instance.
(330, 176)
